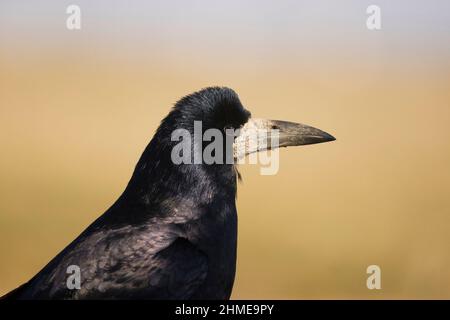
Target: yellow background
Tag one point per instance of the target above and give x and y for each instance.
(78, 107)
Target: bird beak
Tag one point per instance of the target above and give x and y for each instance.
(262, 134)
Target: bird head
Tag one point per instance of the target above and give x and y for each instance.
(213, 115)
(219, 108)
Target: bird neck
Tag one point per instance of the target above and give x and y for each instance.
(156, 178)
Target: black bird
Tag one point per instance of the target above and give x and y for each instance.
(172, 233)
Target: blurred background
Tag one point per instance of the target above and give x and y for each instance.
(77, 108)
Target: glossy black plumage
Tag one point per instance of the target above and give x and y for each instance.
(171, 234)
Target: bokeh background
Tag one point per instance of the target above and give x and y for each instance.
(77, 109)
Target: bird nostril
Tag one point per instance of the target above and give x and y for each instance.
(274, 127)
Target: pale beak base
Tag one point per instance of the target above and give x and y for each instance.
(262, 134)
